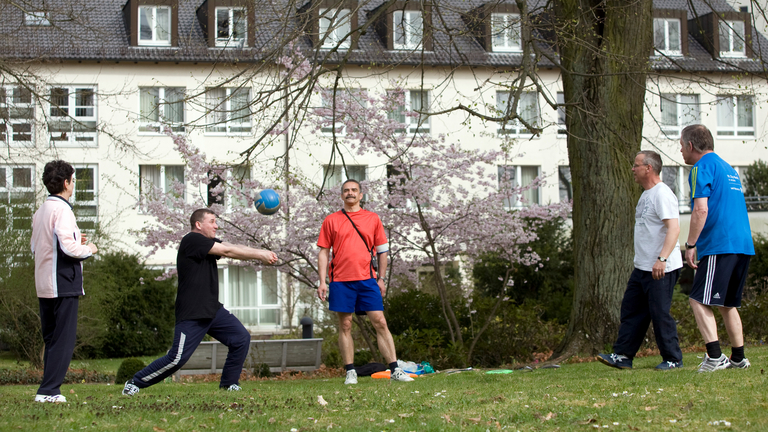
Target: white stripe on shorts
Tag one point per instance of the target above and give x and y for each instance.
(709, 280)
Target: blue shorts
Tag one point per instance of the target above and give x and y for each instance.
(355, 296)
(719, 280)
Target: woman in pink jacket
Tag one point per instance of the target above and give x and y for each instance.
(59, 251)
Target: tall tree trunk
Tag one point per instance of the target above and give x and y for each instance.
(604, 48)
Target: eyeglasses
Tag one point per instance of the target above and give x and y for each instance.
(638, 166)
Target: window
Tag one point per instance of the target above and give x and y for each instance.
(161, 179)
(17, 195)
(37, 18)
(402, 197)
(409, 29)
(335, 175)
(735, 116)
(73, 115)
(676, 177)
(677, 112)
(666, 36)
(732, 38)
(155, 25)
(565, 183)
(335, 26)
(85, 198)
(18, 115)
(512, 176)
(232, 193)
(228, 110)
(505, 32)
(161, 106)
(415, 100)
(561, 129)
(347, 101)
(527, 109)
(231, 26)
(252, 296)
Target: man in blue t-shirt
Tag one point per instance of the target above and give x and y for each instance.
(720, 235)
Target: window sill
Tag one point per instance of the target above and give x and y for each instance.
(506, 51)
(736, 137)
(153, 45)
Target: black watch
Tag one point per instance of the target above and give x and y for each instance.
(689, 246)
(662, 259)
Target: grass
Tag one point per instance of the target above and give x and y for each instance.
(575, 397)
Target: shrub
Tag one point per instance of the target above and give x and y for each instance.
(261, 370)
(362, 357)
(758, 265)
(128, 369)
(756, 184)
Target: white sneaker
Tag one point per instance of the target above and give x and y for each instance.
(130, 388)
(351, 377)
(710, 365)
(233, 387)
(400, 375)
(743, 364)
(51, 399)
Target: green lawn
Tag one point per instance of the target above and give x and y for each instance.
(581, 396)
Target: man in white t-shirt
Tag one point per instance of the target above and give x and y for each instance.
(648, 297)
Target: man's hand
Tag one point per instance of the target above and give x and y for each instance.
(658, 269)
(83, 239)
(382, 287)
(93, 248)
(268, 257)
(690, 258)
(322, 291)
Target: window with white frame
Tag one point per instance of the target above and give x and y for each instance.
(37, 18)
(155, 25)
(252, 296)
(676, 177)
(527, 109)
(73, 115)
(677, 112)
(407, 114)
(346, 100)
(401, 196)
(409, 29)
(229, 110)
(162, 179)
(85, 197)
(735, 116)
(666, 36)
(335, 175)
(732, 38)
(231, 26)
(505, 32)
(17, 195)
(228, 188)
(513, 176)
(18, 115)
(741, 171)
(561, 129)
(335, 27)
(161, 106)
(565, 183)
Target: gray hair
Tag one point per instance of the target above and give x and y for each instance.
(651, 158)
(699, 136)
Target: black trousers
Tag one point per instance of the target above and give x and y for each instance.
(58, 317)
(647, 300)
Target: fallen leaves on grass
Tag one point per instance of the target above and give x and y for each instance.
(598, 404)
(321, 401)
(447, 418)
(650, 408)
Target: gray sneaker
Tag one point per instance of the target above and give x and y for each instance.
(400, 375)
(233, 387)
(710, 365)
(130, 388)
(743, 364)
(351, 377)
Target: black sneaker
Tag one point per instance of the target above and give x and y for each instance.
(667, 365)
(618, 361)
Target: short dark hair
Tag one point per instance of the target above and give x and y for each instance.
(54, 175)
(653, 159)
(198, 216)
(699, 136)
(351, 181)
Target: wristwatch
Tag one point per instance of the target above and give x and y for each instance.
(689, 246)
(662, 259)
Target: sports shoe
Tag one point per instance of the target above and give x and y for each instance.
(51, 399)
(619, 361)
(130, 388)
(743, 364)
(667, 365)
(710, 365)
(399, 375)
(351, 377)
(233, 387)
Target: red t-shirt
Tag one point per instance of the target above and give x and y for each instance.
(351, 261)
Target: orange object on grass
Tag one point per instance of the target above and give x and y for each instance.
(386, 373)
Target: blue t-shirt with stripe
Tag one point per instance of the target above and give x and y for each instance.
(726, 230)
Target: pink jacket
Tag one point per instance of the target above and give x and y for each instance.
(57, 249)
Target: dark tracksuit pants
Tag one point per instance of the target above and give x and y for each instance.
(224, 327)
(58, 319)
(647, 300)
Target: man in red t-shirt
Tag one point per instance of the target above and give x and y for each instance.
(354, 283)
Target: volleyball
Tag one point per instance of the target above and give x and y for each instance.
(267, 202)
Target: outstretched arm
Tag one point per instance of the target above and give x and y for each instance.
(242, 252)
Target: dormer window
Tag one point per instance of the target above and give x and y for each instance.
(408, 30)
(231, 26)
(666, 36)
(155, 25)
(36, 18)
(505, 28)
(732, 36)
(335, 28)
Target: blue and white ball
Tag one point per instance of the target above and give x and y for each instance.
(267, 202)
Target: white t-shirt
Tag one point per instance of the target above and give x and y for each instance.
(655, 205)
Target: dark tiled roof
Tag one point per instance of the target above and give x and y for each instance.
(93, 30)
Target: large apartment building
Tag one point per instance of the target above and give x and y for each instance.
(95, 83)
